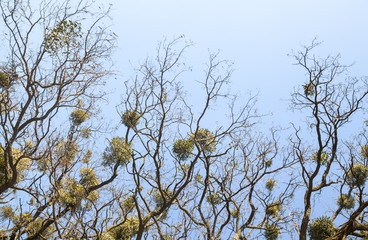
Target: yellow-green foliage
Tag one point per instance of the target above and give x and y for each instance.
(79, 116)
(364, 151)
(167, 237)
(268, 163)
(357, 175)
(214, 198)
(87, 157)
(321, 228)
(36, 225)
(118, 152)
(85, 133)
(19, 219)
(4, 80)
(126, 230)
(128, 204)
(22, 166)
(43, 164)
(32, 227)
(271, 232)
(198, 177)
(130, 119)
(93, 196)
(6, 212)
(88, 177)
(273, 209)
(205, 139)
(161, 198)
(183, 148)
(345, 201)
(66, 152)
(308, 89)
(28, 144)
(107, 236)
(324, 157)
(63, 36)
(270, 184)
(235, 213)
(184, 167)
(72, 193)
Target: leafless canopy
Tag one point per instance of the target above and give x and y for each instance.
(329, 165)
(172, 169)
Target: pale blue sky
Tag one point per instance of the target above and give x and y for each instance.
(257, 35)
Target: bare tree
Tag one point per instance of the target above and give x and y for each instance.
(52, 60)
(167, 174)
(170, 171)
(188, 181)
(330, 100)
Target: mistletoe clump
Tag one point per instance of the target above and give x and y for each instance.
(214, 198)
(107, 236)
(118, 152)
(88, 177)
(183, 148)
(64, 36)
(324, 157)
(235, 213)
(268, 163)
(270, 184)
(28, 145)
(6, 212)
(321, 228)
(4, 80)
(205, 139)
(308, 89)
(273, 209)
(128, 204)
(87, 157)
(72, 193)
(125, 230)
(79, 116)
(66, 152)
(357, 175)
(345, 201)
(198, 178)
(23, 164)
(161, 197)
(271, 232)
(364, 151)
(85, 133)
(130, 119)
(184, 168)
(35, 226)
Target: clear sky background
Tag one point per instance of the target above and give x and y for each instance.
(257, 35)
